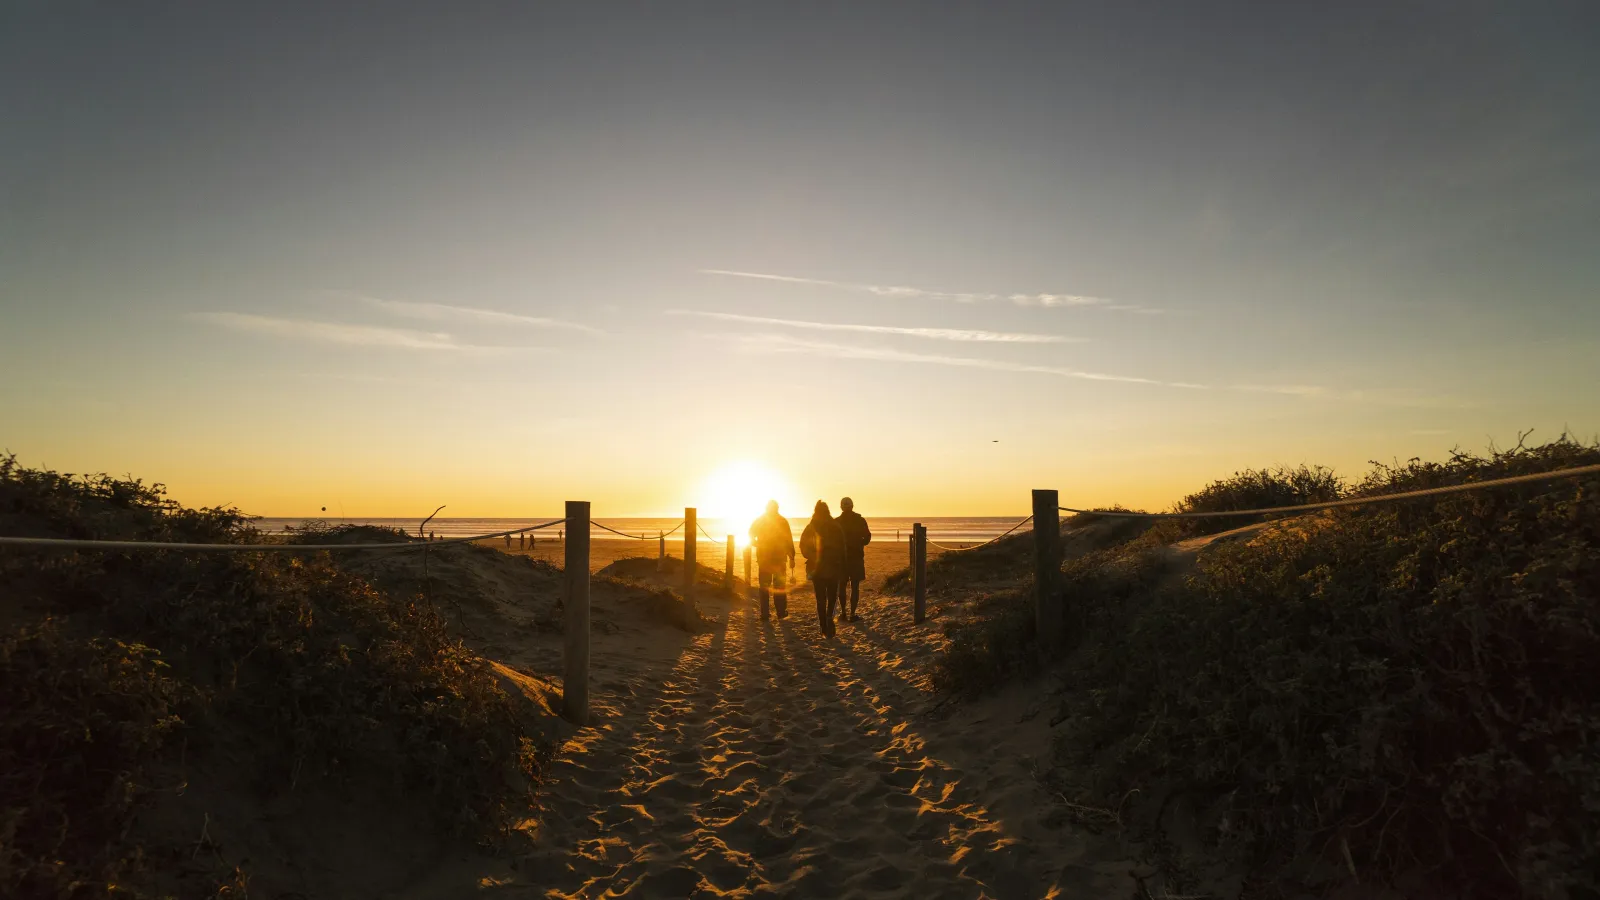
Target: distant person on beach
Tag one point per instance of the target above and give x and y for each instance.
(774, 541)
(856, 538)
(822, 544)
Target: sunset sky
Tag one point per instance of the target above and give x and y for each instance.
(497, 256)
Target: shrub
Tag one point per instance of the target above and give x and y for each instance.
(1251, 489)
(1408, 684)
(113, 654)
(999, 645)
(84, 718)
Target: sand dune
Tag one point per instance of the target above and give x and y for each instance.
(762, 759)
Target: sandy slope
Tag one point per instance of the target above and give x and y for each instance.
(761, 759)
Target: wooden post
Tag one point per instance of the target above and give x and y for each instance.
(727, 569)
(749, 586)
(1048, 603)
(691, 527)
(661, 557)
(575, 610)
(919, 573)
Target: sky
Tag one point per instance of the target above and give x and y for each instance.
(381, 257)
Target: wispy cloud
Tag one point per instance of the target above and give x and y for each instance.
(915, 293)
(937, 334)
(1405, 397)
(342, 333)
(1293, 390)
(439, 312)
(778, 343)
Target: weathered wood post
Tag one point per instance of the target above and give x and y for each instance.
(1049, 611)
(575, 613)
(919, 573)
(661, 557)
(691, 528)
(727, 569)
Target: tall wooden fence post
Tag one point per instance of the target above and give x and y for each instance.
(661, 557)
(727, 568)
(1049, 611)
(691, 527)
(919, 573)
(749, 586)
(575, 611)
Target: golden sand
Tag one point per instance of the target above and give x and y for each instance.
(761, 759)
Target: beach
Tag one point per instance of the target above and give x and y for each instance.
(882, 558)
(759, 758)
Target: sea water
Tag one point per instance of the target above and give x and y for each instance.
(944, 529)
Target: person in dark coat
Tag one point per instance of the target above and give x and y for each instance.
(856, 538)
(822, 544)
(774, 542)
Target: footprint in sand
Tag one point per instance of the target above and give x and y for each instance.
(769, 761)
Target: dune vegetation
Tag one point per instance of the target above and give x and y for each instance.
(143, 691)
(1400, 694)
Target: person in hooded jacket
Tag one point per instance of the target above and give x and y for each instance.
(856, 538)
(774, 542)
(822, 544)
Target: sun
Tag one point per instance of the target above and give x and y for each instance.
(738, 492)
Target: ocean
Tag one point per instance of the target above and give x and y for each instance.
(944, 529)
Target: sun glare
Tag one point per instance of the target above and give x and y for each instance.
(739, 491)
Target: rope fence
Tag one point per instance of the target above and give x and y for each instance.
(75, 544)
(1049, 604)
(708, 535)
(636, 537)
(985, 543)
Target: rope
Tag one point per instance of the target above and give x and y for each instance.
(64, 543)
(985, 543)
(674, 529)
(708, 534)
(1355, 501)
(636, 537)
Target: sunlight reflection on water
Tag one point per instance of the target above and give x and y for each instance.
(884, 528)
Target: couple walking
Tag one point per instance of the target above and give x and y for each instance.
(835, 554)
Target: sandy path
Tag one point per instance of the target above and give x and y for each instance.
(766, 760)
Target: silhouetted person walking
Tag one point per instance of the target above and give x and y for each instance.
(822, 544)
(856, 538)
(774, 542)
